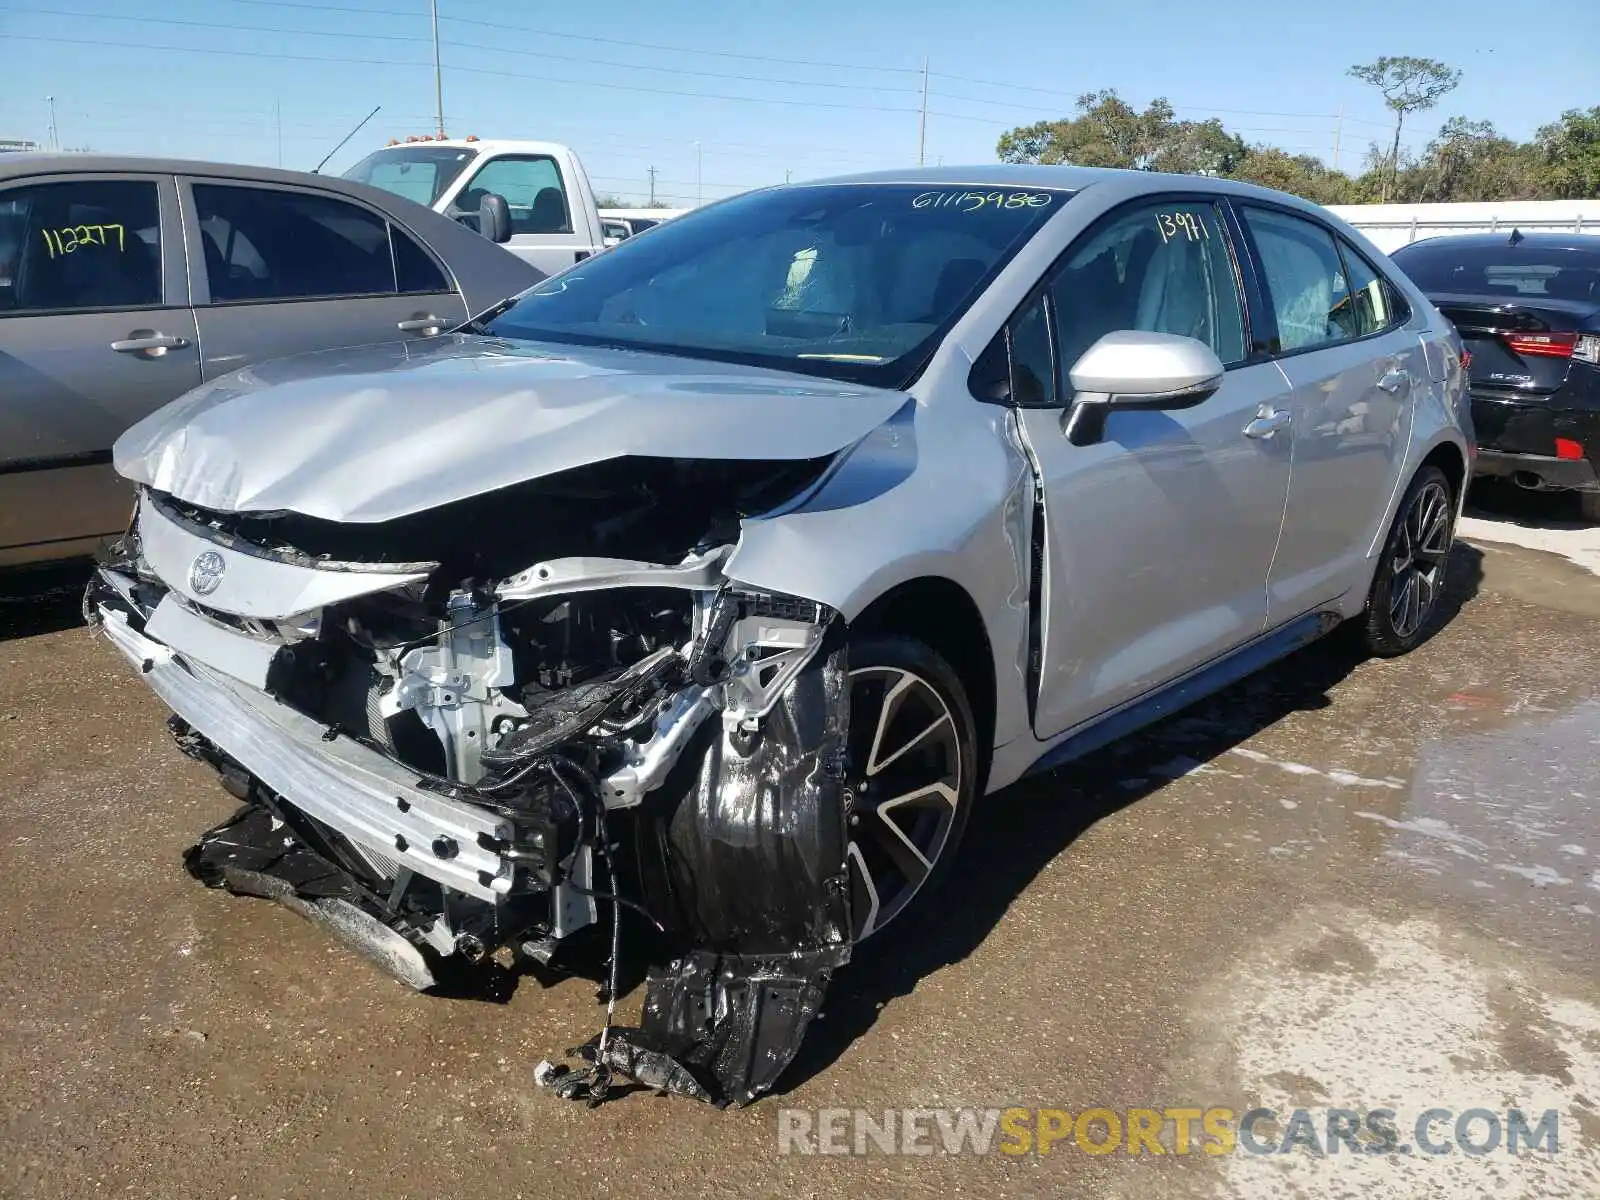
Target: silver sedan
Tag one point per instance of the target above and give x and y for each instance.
(719, 576)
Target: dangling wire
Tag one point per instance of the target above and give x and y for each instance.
(602, 1072)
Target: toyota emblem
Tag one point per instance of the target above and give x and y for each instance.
(205, 573)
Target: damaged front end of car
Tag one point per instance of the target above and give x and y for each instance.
(465, 735)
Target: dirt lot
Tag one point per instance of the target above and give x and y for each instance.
(1335, 885)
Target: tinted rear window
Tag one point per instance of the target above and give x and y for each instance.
(1503, 269)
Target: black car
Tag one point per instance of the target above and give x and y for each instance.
(1528, 309)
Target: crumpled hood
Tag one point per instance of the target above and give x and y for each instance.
(378, 432)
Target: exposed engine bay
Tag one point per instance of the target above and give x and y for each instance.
(465, 736)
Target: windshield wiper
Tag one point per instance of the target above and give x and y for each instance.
(480, 323)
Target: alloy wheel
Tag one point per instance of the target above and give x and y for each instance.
(1418, 556)
(904, 790)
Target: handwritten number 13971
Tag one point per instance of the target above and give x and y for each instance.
(1185, 224)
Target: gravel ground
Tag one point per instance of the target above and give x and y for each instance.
(1336, 885)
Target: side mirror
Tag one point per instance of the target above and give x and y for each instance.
(1131, 369)
(494, 218)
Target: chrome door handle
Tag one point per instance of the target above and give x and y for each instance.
(149, 341)
(1267, 423)
(1394, 380)
(419, 324)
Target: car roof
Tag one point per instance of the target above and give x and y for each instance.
(1067, 178)
(486, 273)
(1530, 241)
(13, 166)
(498, 145)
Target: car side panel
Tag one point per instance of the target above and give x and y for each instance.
(1158, 542)
(236, 335)
(1350, 436)
(957, 505)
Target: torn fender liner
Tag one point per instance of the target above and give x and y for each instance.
(718, 1028)
(254, 854)
(753, 851)
(748, 863)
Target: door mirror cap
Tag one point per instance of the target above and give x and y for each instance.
(494, 218)
(1134, 369)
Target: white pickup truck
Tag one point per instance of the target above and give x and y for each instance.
(548, 218)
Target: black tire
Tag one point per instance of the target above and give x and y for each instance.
(1589, 507)
(943, 763)
(1403, 606)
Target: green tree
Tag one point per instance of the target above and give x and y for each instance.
(610, 200)
(1408, 85)
(1303, 175)
(1107, 132)
(1200, 148)
(1110, 132)
(1471, 160)
(1568, 151)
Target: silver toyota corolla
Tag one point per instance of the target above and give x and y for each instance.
(715, 578)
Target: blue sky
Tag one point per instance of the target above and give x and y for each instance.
(812, 88)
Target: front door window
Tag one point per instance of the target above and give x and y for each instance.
(76, 246)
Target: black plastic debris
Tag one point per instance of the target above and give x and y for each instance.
(254, 853)
(721, 1029)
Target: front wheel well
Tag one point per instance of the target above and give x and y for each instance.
(939, 613)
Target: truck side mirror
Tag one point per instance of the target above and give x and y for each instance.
(494, 218)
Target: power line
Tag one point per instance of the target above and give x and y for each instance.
(143, 20)
(367, 35)
(277, 54)
(1010, 85)
(544, 77)
(502, 26)
(537, 76)
(457, 44)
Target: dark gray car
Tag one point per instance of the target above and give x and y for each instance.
(125, 282)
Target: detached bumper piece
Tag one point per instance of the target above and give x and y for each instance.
(253, 853)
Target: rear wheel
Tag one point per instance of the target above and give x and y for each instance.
(913, 771)
(1404, 601)
(1589, 506)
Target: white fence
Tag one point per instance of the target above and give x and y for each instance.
(1391, 226)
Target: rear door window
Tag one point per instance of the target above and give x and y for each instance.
(1371, 298)
(267, 244)
(1161, 267)
(531, 186)
(414, 268)
(80, 245)
(1305, 280)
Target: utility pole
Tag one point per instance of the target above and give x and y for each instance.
(1338, 130)
(652, 187)
(699, 191)
(438, 74)
(55, 140)
(922, 117)
(788, 175)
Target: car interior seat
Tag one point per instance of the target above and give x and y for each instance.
(549, 213)
(1173, 296)
(956, 280)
